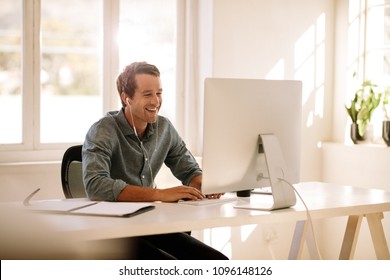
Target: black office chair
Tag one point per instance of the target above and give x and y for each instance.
(71, 173)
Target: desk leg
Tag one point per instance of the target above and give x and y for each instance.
(297, 241)
(303, 232)
(350, 237)
(378, 236)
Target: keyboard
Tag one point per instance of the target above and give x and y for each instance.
(208, 201)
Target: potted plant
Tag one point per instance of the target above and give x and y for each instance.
(364, 103)
(386, 120)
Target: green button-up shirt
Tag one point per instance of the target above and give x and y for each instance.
(113, 156)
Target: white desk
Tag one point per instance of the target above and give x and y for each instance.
(323, 200)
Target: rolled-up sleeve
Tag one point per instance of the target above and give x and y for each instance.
(97, 154)
(180, 160)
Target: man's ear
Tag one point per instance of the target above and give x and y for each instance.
(124, 96)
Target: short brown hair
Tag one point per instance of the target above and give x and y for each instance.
(126, 80)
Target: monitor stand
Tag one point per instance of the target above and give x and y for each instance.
(282, 193)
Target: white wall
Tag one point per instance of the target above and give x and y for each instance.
(282, 39)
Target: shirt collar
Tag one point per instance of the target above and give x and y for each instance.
(128, 130)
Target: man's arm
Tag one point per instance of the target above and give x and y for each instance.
(196, 182)
(137, 193)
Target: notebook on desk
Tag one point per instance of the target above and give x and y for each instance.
(87, 207)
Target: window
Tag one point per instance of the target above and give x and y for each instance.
(377, 41)
(70, 75)
(10, 72)
(369, 50)
(61, 79)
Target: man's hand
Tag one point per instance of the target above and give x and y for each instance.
(177, 193)
(215, 195)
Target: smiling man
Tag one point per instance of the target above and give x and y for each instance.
(124, 151)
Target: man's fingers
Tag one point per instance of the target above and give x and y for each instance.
(191, 193)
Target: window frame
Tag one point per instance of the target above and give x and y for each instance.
(368, 7)
(365, 73)
(359, 46)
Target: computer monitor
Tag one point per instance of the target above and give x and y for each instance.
(236, 113)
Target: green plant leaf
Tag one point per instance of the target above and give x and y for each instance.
(363, 105)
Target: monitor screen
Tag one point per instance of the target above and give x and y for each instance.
(236, 112)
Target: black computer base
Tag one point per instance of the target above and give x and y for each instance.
(244, 193)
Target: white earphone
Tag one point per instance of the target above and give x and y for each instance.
(131, 114)
(141, 144)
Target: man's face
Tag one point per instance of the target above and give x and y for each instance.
(147, 100)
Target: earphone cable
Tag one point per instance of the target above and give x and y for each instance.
(142, 146)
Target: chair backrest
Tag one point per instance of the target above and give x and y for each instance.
(71, 173)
